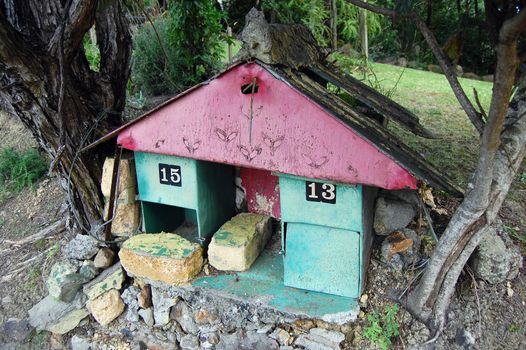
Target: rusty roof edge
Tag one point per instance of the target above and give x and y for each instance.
(115, 132)
(381, 137)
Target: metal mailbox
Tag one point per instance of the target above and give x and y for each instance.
(186, 151)
(326, 234)
(174, 191)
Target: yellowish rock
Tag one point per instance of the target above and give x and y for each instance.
(69, 321)
(104, 258)
(126, 220)
(237, 244)
(106, 307)
(127, 181)
(164, 257)
(111, 278)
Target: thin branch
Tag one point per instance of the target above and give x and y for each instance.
(451, 75)
(56, 227)
(373, 8)
(482, 111)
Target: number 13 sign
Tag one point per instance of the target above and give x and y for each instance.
(170, 175)
(320, 192)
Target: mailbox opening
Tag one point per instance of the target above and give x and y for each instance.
(167, 218)
(182, 195)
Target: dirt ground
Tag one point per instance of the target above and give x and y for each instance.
(494, 316)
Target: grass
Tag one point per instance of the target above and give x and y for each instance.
(33, 274)
(429, 96)
(53, 251)
(19, 170)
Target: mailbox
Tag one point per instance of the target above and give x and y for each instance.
(326, 234)
(191, 197)
(303, 154)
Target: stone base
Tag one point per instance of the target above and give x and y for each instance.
(126, 219)
(106, 307)
(164, 257)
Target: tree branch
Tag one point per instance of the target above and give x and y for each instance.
(79, 16)
(373, 8)
(443, 61)
(513, 27)
(115, 43)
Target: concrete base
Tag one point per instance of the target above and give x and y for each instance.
(263, 285)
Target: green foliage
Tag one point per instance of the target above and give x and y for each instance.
(382, 327)
(53, 250)
(315, 14)
(33, 274)
(365, 72)
(91, 50)
(182, 48)
(41, 244)
(515, 234)
(20, 169)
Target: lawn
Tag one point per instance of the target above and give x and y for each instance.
(428, 95)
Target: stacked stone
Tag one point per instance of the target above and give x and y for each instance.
(126, 212)
(76, 288)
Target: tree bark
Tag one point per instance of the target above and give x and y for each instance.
(46, 81)
(334, 25)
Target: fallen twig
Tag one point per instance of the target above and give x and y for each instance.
(9, 276)
(470, 273)
(34, 258)
(430, 223)
(56, 227)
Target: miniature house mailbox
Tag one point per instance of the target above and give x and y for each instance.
(304, 156)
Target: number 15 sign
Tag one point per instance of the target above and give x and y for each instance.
(320, 192)
(170, 175)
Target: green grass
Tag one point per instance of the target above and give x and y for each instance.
(19, 170)
(32, 277)
(429, 96)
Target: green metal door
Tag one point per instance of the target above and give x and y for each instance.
(322, 259)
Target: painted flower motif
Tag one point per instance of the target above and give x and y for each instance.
(250, 153)
(191, 146)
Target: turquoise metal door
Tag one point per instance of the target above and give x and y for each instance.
(155, 173)
(322, 259)
(322, 225)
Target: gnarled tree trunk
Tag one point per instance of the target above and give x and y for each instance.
(46, 81)
(502, 149)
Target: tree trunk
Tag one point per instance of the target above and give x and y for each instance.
(501, 153)
(502, 149)
(334, 24)
(364, 38)
(46, 81)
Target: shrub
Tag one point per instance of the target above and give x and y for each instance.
(382, 327)
(182, 48)
(20, 169)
